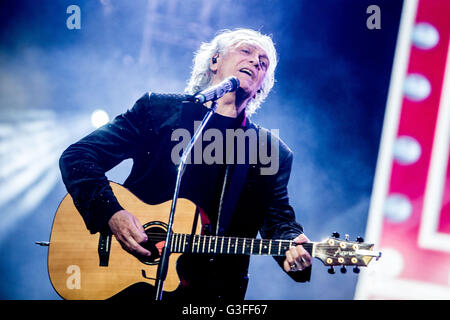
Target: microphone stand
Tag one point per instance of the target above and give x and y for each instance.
(164, 261)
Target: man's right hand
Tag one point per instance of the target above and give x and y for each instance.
(129, 232)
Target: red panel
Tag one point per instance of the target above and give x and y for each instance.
(418, 120)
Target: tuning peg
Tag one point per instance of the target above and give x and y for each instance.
(335, 235)
(359, 239)
(331, 270)
(343, 269)
(356, 269)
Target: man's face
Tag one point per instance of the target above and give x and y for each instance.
(247, 62)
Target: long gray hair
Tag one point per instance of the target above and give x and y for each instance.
(201, 75)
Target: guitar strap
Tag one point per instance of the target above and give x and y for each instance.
(207, 228)
(194, 224)
(233, 182)
(221, 199)
(234, 179)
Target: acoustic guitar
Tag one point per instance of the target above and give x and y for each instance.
(89, 266)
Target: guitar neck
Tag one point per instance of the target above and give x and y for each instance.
(187, 243)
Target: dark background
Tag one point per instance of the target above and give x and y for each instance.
(328, 104)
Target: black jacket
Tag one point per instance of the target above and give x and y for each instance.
(253, 202)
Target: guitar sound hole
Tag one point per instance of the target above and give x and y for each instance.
(156, 233)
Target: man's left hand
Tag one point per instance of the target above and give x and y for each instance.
(297, 258)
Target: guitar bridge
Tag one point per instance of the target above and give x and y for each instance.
(145, 275)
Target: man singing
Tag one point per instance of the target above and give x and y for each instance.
(235, 198)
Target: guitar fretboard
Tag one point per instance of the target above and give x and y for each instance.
(182, 243)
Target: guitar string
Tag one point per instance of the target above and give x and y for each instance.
(163, 236)
(202, 235)
(240, 244)
(269, 245)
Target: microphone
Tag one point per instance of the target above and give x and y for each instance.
(230, 84)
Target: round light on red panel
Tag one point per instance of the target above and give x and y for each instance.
(416, 87)
(397, 208)
(407, 150)
(425, 36)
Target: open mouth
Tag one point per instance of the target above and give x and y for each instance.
(247, 71)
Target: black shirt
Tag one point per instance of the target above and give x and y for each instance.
(202, 182)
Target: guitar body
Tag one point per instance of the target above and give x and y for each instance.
(74, 261)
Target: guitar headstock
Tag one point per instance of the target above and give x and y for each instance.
(336, 252)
